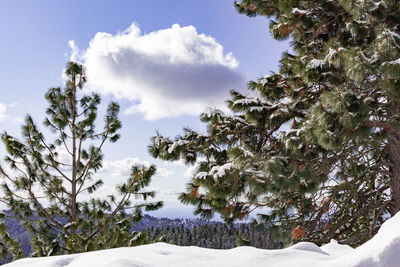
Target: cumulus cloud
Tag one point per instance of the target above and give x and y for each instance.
(4, 116)
(165, 73)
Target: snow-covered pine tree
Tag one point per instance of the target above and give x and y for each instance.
(47, 178)
(316, 146)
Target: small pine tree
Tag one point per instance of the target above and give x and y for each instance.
(45, 191)
(241, 241)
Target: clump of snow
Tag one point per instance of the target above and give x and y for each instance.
(220, 171)
(246, 152)
(381, 251)
(300, 11)
(176, 144)
(394, 62)
(201, 175)
(315, 63)
(247, 101)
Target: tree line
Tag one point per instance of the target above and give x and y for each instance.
(216, 236)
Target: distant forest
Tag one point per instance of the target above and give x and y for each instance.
(214, 235)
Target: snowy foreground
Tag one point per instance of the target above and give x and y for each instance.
(382, 250)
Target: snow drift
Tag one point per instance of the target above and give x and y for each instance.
(381, 251)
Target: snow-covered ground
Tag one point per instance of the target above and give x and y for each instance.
(381, 251)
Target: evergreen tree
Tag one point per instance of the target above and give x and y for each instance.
(240, 241)
(48, 177)
(319, 142)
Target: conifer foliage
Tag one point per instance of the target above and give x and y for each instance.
(47, 179)
(314, 148)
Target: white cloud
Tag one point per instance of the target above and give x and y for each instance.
(74, 51)
(4, 116)
(166, 73)
(122, 168)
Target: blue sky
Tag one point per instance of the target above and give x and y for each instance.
(162, 75)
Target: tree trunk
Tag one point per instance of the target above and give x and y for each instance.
(394, 158)
(74, 167)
